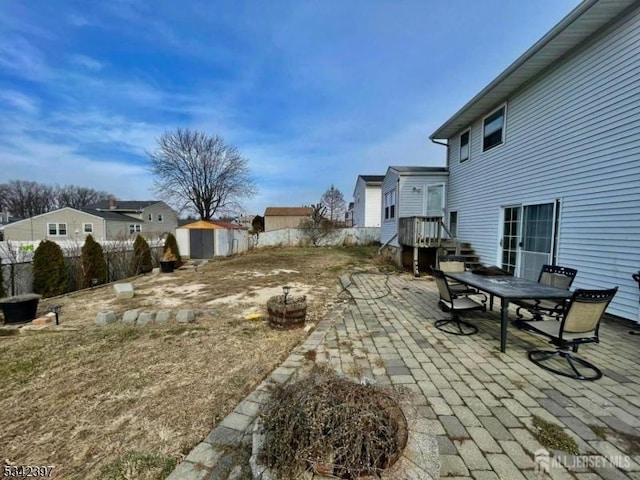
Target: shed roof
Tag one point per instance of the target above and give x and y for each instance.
(288, 211)
(212, 225)
(583, 22)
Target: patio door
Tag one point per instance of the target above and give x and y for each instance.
(528, 238)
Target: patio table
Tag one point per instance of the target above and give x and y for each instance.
(509, 288)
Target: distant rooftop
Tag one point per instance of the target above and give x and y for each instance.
(122, 205)
(111, 215)
(372, 178)
(288, 211)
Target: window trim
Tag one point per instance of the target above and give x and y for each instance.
(389, 204)
(135, 228)
(460, 159)
(504, 127)
(84, 228)
(57, 228)
(160, 218)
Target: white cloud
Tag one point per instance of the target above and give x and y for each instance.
(87, 62)
(19, 101)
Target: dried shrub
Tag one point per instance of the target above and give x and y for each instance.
(3, 292)
(142, 262)
(171, 244)
(50, 276)
(331, 424)
(93, 263)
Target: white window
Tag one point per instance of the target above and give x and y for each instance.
(464, 146)
(135, 228)
(87, 227)
(493, 129)
(57, 229)
(159, 217)
(390, 204)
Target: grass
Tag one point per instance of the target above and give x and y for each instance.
(553, 437)
(107, 402)
(139, 465)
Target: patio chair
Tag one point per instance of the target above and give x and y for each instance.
(555, 276)
(450, 302)
(580, 324)
(456, 264)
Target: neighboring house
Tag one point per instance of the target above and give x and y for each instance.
(276, 218)
(71, 224)
(545, 161)
(410, 192)
(366, 198)
(157, 217)
(348, 216)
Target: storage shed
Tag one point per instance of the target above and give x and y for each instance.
(211, 238)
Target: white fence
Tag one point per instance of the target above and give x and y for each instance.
(17, 257)
(294, 237)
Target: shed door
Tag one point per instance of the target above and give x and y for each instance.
(201, 243)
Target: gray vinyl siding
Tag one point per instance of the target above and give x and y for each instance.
(388, 228)
(169, 219)
(36, 228)
(413, 203)
(572, 135)
(409, 202)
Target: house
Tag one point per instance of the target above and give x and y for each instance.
(366, 198)
(544, 162)
(276, 218)
(108, 220)
(211, 238)
(409, 192)
(157, 217)
(71, 224)
(348, 216)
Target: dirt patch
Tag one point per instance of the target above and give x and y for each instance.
(101, 400)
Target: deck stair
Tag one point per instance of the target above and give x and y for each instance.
(455, 247)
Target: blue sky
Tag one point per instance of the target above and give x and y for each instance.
(313, 93)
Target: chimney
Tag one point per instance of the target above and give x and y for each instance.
(112, 204)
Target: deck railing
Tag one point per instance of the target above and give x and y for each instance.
(423, 232)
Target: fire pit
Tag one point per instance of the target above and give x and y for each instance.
(287, 311)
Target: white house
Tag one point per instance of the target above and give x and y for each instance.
(366, 201)
(410, 192)
(544, 162)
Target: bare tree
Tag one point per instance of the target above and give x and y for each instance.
(25, 199)
(78, 197)
(199, 172)
(333, 200)
(318, 226)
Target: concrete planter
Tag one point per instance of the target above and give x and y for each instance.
(19, 309)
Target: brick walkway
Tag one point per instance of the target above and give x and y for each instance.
(478, 402)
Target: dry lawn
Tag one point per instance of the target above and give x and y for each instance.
(128, 402)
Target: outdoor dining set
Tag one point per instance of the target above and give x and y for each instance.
(547, 307)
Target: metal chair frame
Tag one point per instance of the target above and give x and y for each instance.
(570, 334)
(451, 302)
(538, 308)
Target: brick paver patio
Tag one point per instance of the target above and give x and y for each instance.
(478, 402)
